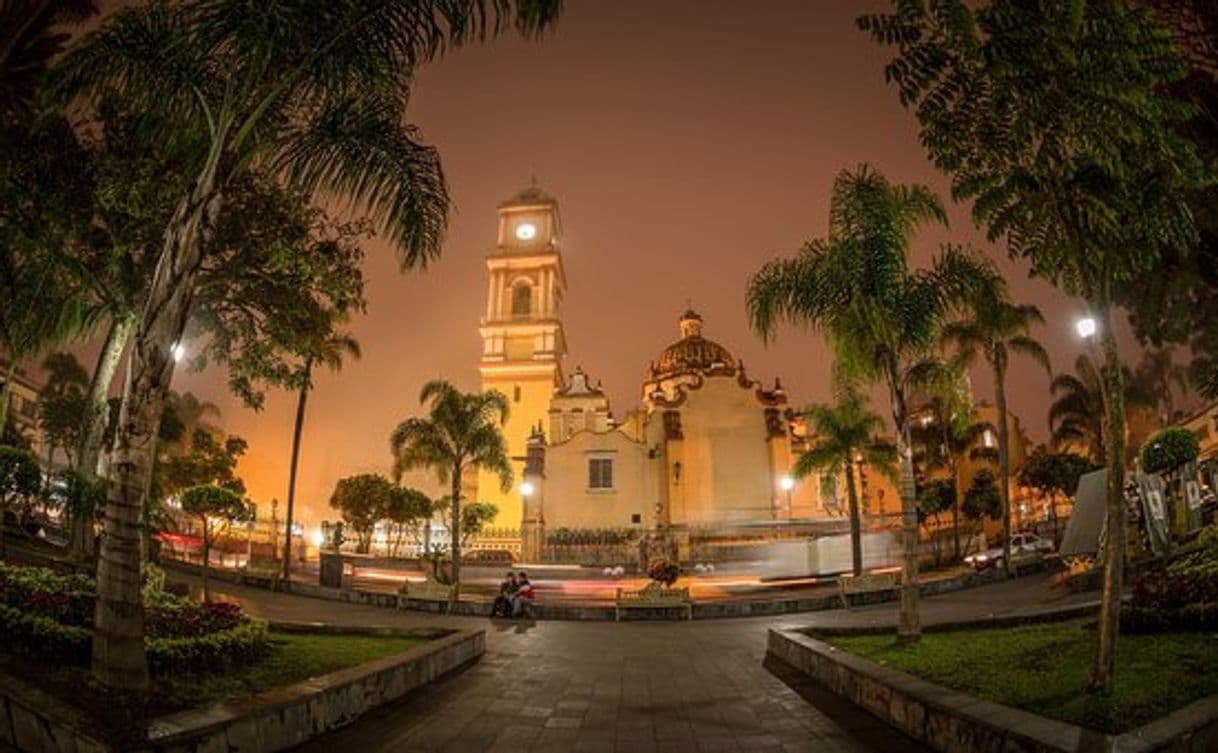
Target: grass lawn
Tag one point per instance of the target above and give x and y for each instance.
(294, 657)
(1044, 669)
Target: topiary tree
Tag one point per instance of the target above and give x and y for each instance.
(20, 481)
(1167, 452)
(362, 500)
(216, 508)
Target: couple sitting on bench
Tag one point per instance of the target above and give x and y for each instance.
(515, 597)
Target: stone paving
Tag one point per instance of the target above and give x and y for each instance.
(642, 686)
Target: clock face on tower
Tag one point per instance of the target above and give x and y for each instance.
(526, 231)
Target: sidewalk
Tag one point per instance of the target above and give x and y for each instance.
(638, 687)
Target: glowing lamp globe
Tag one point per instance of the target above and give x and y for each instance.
(787, 483)
(1085, 327)
(527, 489)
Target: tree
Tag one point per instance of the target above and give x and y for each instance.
(362, 500)
(474, 518)
(1155, 378)
(844, 437)
(1053, 119)
(1076, 415)
(408, 509)
(327, 350)
(994, 328)
(982, 499)
(944, 429)
(317, 99)
(1053, 475)
(879, 316)
(20, 481)
(31, 34)
(461, 433)
(216, 508)
(936, 497)
(61, 404)
(211, 461)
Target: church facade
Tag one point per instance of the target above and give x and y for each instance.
(708, 448)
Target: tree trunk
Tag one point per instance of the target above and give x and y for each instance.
(856, 525)
(1114, 548)
(6, 395)
(206, 561)
(1004, 471)
(93, 423)
(118, 642)
(456, 535)
(909, 628)
(296, 432)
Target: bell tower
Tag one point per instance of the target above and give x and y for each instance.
(522, 335)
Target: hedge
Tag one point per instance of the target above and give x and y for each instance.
(43, 637)
(248, 641)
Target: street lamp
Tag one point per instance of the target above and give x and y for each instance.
(786, 483)
(1085, 327)
(178, 351)
(526, 488)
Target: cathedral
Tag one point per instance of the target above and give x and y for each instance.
(709, 448)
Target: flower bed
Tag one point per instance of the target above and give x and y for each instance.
(1181, 595)
(47, 615)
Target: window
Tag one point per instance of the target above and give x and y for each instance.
(516, 393)
(600, 473)
(522, 299)
(636, 518)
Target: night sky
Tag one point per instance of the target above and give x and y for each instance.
(687, 143)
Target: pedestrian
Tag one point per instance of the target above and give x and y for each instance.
(503, 602)
(522, 602)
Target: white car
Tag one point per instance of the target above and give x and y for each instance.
(1021, 544)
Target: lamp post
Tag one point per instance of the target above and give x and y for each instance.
(786, 483)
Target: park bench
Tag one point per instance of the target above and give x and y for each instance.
(653, 596)
(847, 584)
(427, 590)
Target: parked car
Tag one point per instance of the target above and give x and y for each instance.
(1022, 544)
(489, 557)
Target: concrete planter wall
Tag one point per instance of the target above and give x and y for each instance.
(954, 722)
(271, 721)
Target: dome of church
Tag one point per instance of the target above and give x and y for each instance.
(692, 352)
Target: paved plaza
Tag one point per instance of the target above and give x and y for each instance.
(642, 686)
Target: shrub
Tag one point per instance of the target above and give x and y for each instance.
(245, 642)
(1181, 595)
(1169, 449)
(664, 572)
(48, 615)
(35, 635)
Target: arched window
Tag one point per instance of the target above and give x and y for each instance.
(522, 299)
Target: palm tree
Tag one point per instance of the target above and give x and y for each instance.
(845, 438)
(31, 34)
(1076, 415)
(993, 328)
(328, 352)
(1154, 379)
(879, 316)
(944, 428)
(462, 432)
(317, 99)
